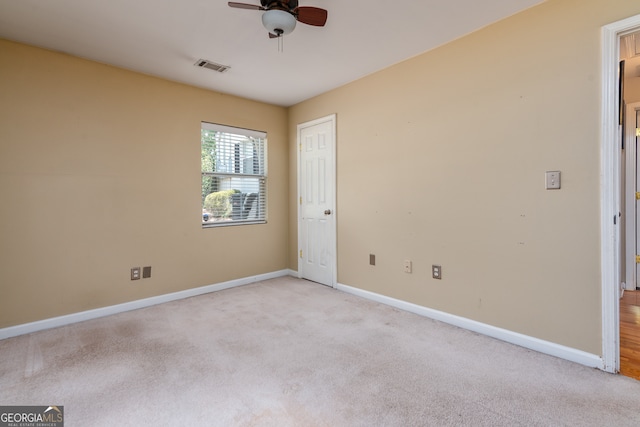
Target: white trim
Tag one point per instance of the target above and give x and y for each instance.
(55, 322)
(542, 346)
(234, 130)
(610, 191)
(334, 245)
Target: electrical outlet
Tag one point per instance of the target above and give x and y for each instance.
(146, 272)
(135, 273)
(407, 266)
(436, 272)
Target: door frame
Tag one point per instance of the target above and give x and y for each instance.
(333, 225)
(610, 190)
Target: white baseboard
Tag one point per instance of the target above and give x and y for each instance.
(55, 322)
(542, 346)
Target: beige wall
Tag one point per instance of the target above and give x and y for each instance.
(632, 90)
(441, 160)
(99, 172)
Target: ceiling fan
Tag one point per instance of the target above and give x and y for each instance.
(280, 16)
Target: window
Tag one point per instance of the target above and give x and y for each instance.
(234, 178)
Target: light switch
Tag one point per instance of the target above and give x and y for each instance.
(552, 180)
(407, 266)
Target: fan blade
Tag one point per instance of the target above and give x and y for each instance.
(311, 15)
(273, 36)
(245, 6)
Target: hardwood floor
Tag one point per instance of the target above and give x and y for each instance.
(630, 334)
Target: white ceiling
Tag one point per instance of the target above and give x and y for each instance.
(165, 38)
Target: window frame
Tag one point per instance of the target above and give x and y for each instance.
(234, 170)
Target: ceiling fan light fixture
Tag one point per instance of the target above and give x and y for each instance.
(278, 22)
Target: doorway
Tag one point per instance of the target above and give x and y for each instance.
(630, 189)
(630, 192)
(612, 189)
(317, 201)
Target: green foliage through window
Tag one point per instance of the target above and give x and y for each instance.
(219, 203)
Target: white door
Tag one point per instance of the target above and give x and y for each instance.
(317, 201)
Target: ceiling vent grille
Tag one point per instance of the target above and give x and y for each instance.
(211, 65)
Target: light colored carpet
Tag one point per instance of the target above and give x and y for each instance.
(288, 352)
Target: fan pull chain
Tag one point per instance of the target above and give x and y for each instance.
(280, 43)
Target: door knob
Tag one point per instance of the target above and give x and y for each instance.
(327, 212)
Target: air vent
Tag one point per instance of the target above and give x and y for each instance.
(211, 65)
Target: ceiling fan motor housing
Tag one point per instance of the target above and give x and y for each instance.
(280, 4)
